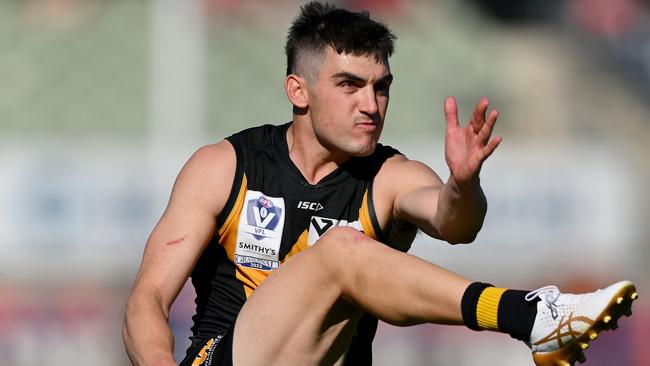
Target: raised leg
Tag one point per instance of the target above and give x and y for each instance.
(306, 311)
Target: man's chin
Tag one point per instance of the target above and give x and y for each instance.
(365, 151)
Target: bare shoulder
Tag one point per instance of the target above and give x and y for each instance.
(206, 178)
(397, 176)
(214, 154)
(400, 173)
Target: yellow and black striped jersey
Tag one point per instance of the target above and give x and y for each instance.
(273, 213)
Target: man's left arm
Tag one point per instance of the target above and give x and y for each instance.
(453, 211)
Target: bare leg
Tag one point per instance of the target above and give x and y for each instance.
(306, 312)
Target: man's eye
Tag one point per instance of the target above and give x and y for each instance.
(383, 87)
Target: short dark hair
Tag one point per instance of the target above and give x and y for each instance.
(321, 25)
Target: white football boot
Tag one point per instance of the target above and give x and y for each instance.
(566, 323)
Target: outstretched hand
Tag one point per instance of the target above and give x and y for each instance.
(466, 148)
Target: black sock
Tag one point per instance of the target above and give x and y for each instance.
(516, 315)
(470, 301)
(513, 314)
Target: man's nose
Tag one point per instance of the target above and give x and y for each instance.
(368, 103)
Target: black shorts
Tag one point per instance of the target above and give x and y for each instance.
(213, 351)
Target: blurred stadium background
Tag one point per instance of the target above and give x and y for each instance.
(101, 102)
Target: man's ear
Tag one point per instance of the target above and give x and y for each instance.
(295, 87)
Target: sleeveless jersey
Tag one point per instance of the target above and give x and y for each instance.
(273, 213)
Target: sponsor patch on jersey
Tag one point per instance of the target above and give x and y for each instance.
(318, 226)
(260, 231)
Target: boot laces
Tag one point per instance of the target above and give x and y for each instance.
(549, 294)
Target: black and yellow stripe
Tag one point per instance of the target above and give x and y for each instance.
(485, 307)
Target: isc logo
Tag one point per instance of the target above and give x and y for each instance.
(306, 205)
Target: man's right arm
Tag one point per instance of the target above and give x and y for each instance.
(185, 228)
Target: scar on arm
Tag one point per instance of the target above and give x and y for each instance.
(176, 241)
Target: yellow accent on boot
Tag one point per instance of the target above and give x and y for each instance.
(607, 319)
(487, 308)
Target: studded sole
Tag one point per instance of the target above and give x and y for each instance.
(619, 305)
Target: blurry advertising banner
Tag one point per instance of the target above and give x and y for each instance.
(566, 208)
(92, 211)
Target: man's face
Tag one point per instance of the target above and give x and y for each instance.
(348, 101)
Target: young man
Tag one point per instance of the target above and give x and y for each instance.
(314, 215)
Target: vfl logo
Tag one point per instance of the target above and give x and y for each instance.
(259, 234)
(313, 206)
(263, 215)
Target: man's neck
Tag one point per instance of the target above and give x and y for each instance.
(313, 160)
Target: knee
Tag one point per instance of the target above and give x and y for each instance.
(342, 253)
(342, 238)
(341, 244)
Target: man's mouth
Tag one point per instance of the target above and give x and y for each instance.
(367, 125)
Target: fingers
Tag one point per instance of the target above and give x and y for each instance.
(485, 133)
(480, 125)
(489, 148)
(478, 117)
(486, 129)
(451, 112)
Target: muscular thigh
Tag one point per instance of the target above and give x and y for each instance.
(296, 317)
